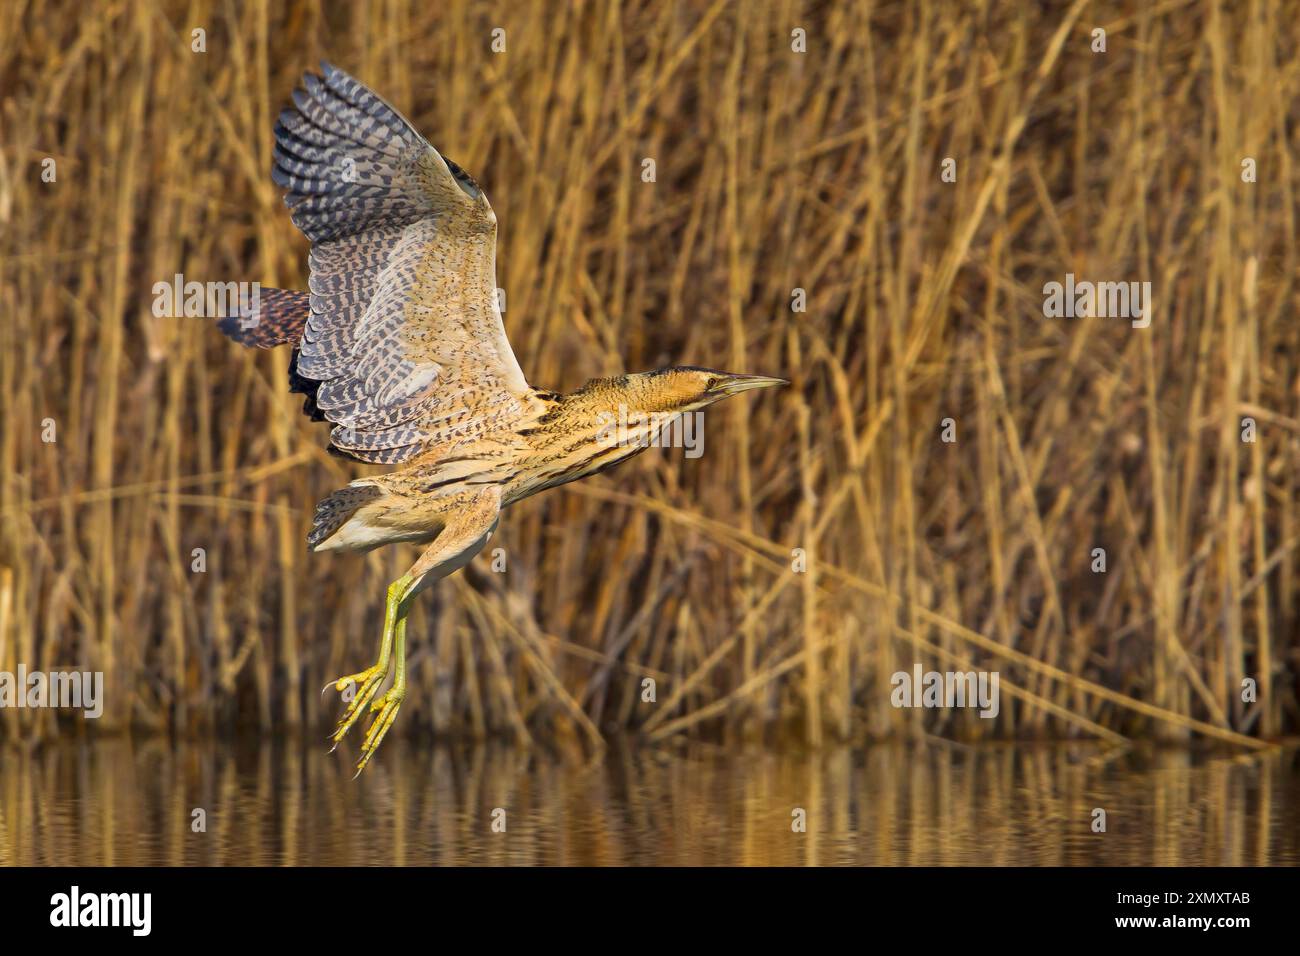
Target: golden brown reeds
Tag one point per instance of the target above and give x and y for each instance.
(775, 171)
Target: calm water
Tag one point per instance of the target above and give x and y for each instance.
(130, 803)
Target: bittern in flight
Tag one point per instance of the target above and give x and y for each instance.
(400, 344)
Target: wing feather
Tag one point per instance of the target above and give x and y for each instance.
(404, 334)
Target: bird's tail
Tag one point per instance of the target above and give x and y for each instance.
(334, 511)
(278, 316)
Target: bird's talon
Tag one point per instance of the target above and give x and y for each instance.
(367, 683)
(387, 706)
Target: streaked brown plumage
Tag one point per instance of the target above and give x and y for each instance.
(399, 344)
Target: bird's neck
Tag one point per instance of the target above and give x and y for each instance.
(586, 432)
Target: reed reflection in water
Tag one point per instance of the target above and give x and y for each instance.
(131, 803)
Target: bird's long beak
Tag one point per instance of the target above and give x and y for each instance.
(734, 384)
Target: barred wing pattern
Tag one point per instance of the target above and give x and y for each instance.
(405, 336)
(279, 316)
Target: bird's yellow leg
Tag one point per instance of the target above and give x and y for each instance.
(470, 519)
(366, 683)
(388, 704)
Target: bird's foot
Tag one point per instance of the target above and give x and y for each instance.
(387, 707)
(365, 685)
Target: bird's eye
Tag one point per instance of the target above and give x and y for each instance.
(713, 382)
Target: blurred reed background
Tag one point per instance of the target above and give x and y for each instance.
(775, 171)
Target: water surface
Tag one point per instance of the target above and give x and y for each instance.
(129, 802)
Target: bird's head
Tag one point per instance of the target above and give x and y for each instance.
(685, 388)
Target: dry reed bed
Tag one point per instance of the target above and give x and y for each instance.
(775, 171)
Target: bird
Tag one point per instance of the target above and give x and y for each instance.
(399, 344)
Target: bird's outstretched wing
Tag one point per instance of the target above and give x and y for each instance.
(405, 334)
